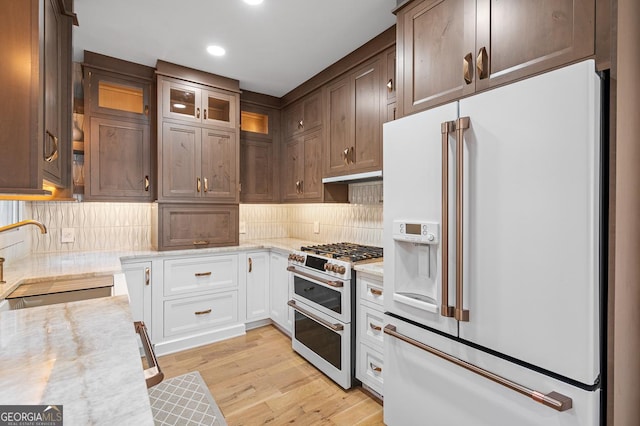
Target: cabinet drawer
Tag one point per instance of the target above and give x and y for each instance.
(192, 275)
(198, 313)
(194, 226)
(370, 325)
(370, 290)
(370, 367)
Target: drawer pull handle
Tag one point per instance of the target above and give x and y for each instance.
(375, 291)
(330, 326)
(375, 327)
(375, 368)
(203, 274)
(208, 311)
(200, 243)
(147, 276)
(153, 375)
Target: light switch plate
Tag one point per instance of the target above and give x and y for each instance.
(242, 227)
(316, 227)
(68, 235)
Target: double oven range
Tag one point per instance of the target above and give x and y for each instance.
(324, 305)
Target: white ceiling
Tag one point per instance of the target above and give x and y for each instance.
(271, 48)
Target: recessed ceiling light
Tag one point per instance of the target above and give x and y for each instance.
(179, 106)
(253, 2)
(216, 50)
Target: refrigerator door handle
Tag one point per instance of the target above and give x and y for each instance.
(462, 124)
(555, 400)
(445, 128)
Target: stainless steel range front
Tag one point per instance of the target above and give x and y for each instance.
(324, 304)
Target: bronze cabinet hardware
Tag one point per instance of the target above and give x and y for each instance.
(375, 327)
(208, 311)
(197, 112)
(146, 183)
(334, 327)
(375, 291)
(352, 155)
(445, 128)
(198, 185)
(482, 64)
(205, 113)
(462, 124)
(390, 85)
(345, 156)
(250, 265)
(53, 155)
(206, 185)
(323, 281)
(147, 276)
(153, 375)
(301, 124)
(146, 110)
(375, 368)
(554, 400)
(467, 68)
(200, 243)
(202, 274)
(297, 187)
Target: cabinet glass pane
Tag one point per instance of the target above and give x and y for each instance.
(120, 97)
(254, 122)
(183, 102)
(218, 109)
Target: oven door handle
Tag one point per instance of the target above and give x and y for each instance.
(323, 281)
(334, 327)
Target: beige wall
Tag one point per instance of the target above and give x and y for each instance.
(626, 313)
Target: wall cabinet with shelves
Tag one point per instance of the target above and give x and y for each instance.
(119, 130)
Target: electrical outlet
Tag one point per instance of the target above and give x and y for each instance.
(243, 227)
(316, 227)
(68, 235)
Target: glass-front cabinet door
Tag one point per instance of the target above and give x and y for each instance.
(181, 101)
(190, 103)
(218, 109)
(119, 96)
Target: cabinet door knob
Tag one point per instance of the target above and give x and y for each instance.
(206, 185)
(481, 64)
(467, 68)
(54, 152)
(146, 183)
(146, 110)
(301, 124)
(250, 265)
(198, 185)
(390, 85)
(345, 156)
(197, 112)
(205, 113)
(352, 155)
(147, 276)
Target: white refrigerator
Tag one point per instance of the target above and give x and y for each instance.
(493, 257)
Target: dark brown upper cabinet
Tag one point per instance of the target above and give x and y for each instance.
(303, 115)
(35, 141)
(448, 49)
(119, 130)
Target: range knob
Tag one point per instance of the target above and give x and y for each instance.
(327, 266)
(340, 269)
(291, 256)
(300, 258)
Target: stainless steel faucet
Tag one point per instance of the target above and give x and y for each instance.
(43, 230)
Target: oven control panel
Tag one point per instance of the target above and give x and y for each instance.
(329, 266)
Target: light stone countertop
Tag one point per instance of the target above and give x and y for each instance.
(39, 267)
(375, 269)
(81, 355)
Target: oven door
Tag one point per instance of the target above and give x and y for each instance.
(323, 342)
(331, 297)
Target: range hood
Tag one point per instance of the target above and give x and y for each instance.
(354, 178)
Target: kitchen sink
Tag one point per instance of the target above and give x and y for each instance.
(48, 292)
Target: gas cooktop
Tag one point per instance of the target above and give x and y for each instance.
(349, 252)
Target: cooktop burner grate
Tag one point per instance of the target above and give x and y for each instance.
(346, 251)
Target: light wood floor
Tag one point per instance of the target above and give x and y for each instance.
(258, 379)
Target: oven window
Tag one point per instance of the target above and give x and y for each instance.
(323, 296)
(324, 342)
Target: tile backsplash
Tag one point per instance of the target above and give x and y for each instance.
(127, 226)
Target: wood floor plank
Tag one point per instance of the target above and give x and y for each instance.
(258, 379)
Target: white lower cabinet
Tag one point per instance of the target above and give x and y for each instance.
(369, 334)
(202, 312)
(280, 292)
(257, 285)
